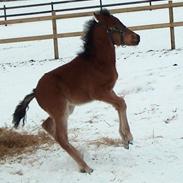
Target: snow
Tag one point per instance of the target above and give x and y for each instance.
(150, 79)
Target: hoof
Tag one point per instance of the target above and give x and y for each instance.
(130, 142)
(126, 146)
(87, 170)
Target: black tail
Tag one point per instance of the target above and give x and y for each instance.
(21, 109)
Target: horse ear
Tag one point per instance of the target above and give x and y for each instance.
(97, 17)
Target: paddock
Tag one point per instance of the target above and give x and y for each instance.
(151, 70)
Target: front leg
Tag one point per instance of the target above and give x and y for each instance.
(124, 129)
(120, 105)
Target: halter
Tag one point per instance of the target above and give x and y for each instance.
(113, 29)
(110, 30)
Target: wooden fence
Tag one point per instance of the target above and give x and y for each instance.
(54, 17)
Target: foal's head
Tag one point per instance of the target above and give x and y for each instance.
(120, 34)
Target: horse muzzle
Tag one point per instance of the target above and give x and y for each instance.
(137, 39)
(130, 38)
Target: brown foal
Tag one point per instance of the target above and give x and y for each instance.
(90, 76)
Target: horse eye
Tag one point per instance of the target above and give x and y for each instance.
(112, 28)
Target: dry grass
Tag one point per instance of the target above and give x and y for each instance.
(13, 143)
(107, 141)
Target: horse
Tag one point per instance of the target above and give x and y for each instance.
(90, 76)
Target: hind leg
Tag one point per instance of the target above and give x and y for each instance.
(61, 138)
(61, 118)
(49, 126)
(58, 129)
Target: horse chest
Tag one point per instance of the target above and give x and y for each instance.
(108, 79)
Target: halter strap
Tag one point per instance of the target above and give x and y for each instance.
(110, 30)
(113, 29)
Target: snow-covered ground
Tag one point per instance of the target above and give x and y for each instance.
(150, 79)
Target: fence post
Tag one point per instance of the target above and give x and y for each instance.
(172, 32)
(150, 3)
(55, 39)
(5, 16)
(100, 5)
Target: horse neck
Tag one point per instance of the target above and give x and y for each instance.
(104, 48)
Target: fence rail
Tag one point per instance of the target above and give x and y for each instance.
(54, 17)
(53, 5)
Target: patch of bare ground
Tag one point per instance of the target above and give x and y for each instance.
(13, 143)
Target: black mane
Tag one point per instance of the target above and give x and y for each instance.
(88, 38)
(88, 35)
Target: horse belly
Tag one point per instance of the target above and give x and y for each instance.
(78, 96)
